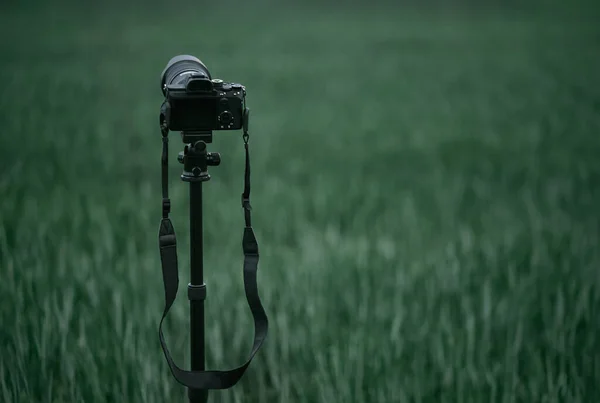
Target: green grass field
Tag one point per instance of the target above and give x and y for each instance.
(426, 193)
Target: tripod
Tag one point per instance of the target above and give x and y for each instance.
(196, 160)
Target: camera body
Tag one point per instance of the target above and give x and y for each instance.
(198, 103)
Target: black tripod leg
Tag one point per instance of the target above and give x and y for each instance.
(196, 290)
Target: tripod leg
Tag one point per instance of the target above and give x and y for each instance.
(196, 290)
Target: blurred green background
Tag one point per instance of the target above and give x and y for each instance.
(426, 193)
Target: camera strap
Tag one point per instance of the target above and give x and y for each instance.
(168, 256)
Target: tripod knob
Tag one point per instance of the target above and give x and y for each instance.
(213, 159)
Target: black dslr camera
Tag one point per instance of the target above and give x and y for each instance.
(195, 102)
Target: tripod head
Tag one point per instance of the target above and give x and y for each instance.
(195, 157)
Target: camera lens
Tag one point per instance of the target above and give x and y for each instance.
(179, 65)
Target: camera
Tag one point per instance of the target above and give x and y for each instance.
(195, 102)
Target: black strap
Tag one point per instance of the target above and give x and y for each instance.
(168, 256)
(246, 195)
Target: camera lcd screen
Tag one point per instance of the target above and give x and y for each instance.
(193, 114)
